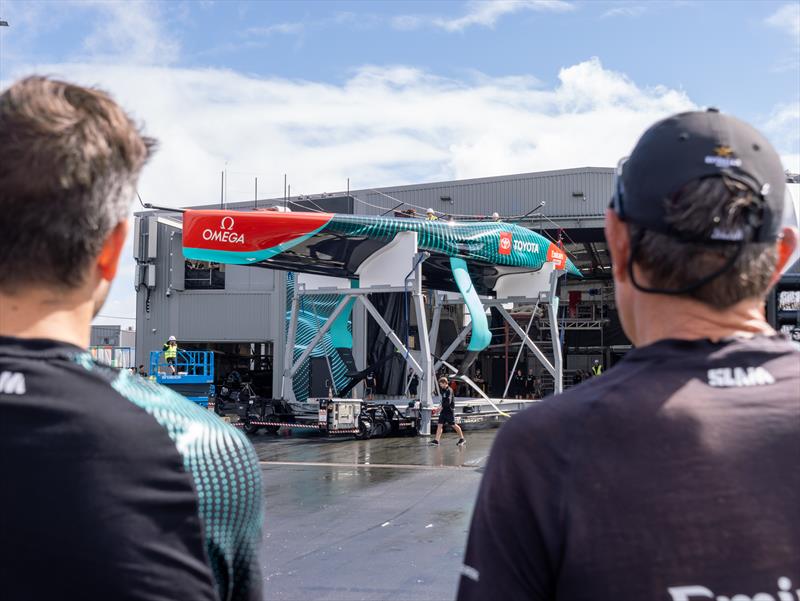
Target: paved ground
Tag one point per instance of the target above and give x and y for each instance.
(367, 520)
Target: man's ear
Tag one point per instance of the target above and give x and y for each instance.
(108, 260)
(787, 244)
(619, 245)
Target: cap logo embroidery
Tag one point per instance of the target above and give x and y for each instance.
(723, 157)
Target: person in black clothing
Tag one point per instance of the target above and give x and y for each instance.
(447, 414)
(529, 382)
(579, 377)
(370, 385)
(479, 381)
(518, 385)
(113, 487)
(674, 477)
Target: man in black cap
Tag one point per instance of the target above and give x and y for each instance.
(675, 476)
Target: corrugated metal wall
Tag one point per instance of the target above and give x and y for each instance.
(105, 336)
(573, 193)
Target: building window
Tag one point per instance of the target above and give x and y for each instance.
(202, 275)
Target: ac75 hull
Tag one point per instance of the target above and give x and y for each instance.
(336, 245)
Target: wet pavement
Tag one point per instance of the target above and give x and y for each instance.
(367, 520)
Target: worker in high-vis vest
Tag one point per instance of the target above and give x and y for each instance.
(430, 215)
(171, 354)
(597, 369)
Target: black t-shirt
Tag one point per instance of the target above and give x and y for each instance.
(448, 404)
(675, 476)
(113, 487)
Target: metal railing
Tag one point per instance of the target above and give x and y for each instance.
(187, 363)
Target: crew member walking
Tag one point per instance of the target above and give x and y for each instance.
(447, 415)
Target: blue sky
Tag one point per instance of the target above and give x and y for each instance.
(402, 92)
(727, 53)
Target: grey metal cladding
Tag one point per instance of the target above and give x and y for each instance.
(568, 193)
(105, 336)
(222, 317)
(571, 193)
(249, 279)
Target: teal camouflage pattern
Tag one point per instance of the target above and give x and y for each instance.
(478, 241)
(314, 312)
(225, 471)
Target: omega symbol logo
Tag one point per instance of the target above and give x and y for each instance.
(225, 233)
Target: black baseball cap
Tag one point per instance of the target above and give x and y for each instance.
(695, 145)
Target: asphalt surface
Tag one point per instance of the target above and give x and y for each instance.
(367, 520)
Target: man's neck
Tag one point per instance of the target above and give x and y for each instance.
(65, 317)
(659, 317)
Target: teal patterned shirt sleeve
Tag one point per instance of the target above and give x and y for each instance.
(227, 477)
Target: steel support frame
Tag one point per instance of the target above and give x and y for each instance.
(555, 369)
(453, 346)
(423, 368)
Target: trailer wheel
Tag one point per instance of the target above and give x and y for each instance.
(251, 429)
(364, 429)
(381, 429)
(272, 429)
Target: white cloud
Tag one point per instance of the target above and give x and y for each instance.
(382, 126)
(782, 128)
(628, 10)
(282, 28)
(480, 12)
(131, 32)
(408, 22)
(786, 19)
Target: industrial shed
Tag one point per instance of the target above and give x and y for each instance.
(241, 311)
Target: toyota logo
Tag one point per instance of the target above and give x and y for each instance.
(505, 243)
(228, 221)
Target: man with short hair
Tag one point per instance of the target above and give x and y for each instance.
(113, 487)
(675, 476)
(447, 416)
